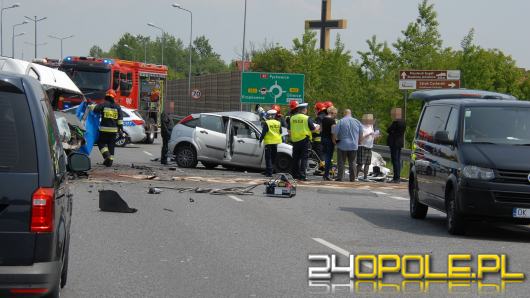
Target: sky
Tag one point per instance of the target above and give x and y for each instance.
(498, 24)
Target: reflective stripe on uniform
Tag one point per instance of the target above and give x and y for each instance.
(103, 150)
(120, 122)
(108, 129)
(274, 135)
(317, 139)
(300, 128)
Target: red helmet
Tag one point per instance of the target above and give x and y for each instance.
(319, 106)
(110, 93)
(277, 108)
(293, 104)
(328, 104)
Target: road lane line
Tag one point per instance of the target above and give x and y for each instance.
(342, 251)
(235, 198)
(148, 153)
(333, 246)
(399, 198)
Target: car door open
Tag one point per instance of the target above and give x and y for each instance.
(245, 149)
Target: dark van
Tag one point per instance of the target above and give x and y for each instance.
(471, 159)
(35, 201)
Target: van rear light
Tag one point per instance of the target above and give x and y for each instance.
(29, 291)
(138, 122)
(42, 210)
(186, 119)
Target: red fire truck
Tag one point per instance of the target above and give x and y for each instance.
(139, 86)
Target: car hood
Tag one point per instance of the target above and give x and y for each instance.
(507, 157)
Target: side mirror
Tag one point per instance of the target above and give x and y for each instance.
(78, 162)
(442, 138)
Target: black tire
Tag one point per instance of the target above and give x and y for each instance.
(209, 165)
(64, 273)
(186, 156)
(417, 209)
(456, 224)
(150, 131)
(283, 163)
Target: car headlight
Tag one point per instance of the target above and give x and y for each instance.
(474, 172)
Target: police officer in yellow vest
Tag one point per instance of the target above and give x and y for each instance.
(300, 129)
(271, 135)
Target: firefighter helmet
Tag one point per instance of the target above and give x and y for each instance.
(110, 93)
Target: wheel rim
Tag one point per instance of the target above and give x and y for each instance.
(185, 157)
(120, 142)
(283, 164)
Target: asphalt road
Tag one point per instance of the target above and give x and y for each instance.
(201, 245)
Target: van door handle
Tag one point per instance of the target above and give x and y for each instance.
(204, 132)
(241, 141)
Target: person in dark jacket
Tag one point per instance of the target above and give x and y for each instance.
(396, 141)
(166, 127)
(111, 124)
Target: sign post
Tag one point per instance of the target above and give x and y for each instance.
(271, 88)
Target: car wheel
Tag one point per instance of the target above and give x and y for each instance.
(209, 165)
(186, 156)
(121, 141)
(150, 132)
(313, 161)
(417, 209)
(64, 273)
(283, 163)
(456, 224)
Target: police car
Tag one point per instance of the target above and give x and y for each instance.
(133, 128)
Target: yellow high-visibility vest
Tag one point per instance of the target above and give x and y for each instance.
(300, 128)
(274, 135)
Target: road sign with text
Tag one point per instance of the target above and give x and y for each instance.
(271, 88)
(429, 79)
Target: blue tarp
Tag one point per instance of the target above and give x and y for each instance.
(91, 126)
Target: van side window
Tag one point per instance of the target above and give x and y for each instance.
(434, 119)
(115, 80)
(452, 124)
(17, 137)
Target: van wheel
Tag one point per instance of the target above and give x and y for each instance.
(186, 156)
(283, 163)
(417, 209)
(64, 273)
(456, 224)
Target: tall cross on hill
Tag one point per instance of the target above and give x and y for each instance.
(325, 24)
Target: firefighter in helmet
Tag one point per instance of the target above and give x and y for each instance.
(111, 124)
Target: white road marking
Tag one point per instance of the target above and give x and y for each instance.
(399, 198)
(342, 251)
(235, 198)
(380, 193)
(148, 153)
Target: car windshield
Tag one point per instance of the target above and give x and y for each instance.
(90, 80)
(497, 125)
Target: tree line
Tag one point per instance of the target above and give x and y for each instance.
(370, 84)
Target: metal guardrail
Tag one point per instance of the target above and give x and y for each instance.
(385, 152)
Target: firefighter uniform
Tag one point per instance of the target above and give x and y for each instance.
(111, 123)
(300, 127)
(271, 136)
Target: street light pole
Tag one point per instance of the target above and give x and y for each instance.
(35, 20)
(61, 39)
(13, 38)
(190, 47)
(130, 49)
(163, 38)
(2, 26)
(244, 37)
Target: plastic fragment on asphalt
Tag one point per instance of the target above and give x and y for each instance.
(111, 201)
(154, 190)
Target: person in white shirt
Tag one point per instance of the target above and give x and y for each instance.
(364, 154)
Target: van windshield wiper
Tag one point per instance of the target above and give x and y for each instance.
(522, 144)
(480, 143)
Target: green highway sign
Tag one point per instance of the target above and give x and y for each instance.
(271, 88)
